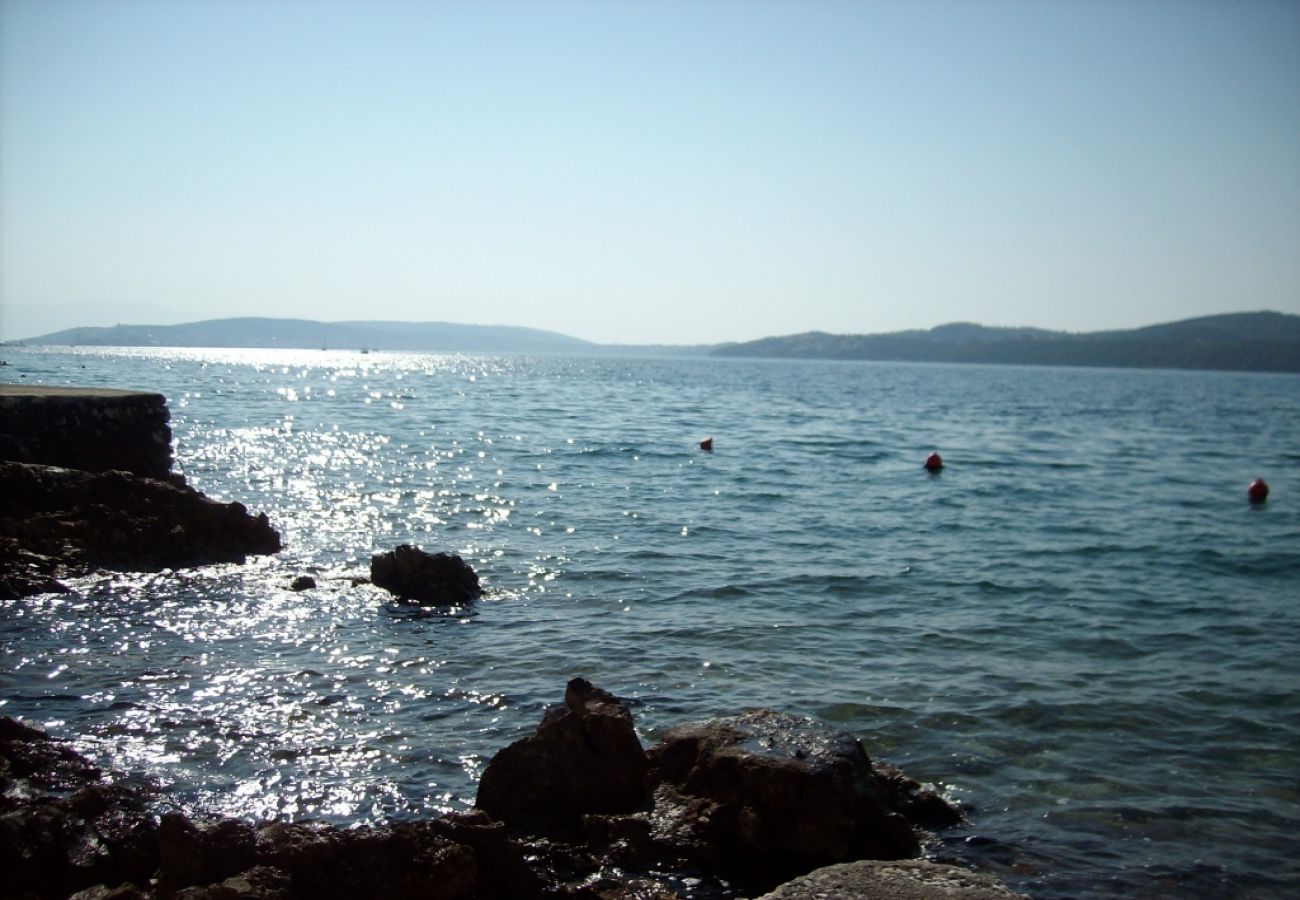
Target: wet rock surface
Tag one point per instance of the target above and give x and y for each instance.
(745, 802)
(910, 879)
(729, 808)
(57, 523)
(413, 574)
(782, 795)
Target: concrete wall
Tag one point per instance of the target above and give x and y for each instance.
(86, 428)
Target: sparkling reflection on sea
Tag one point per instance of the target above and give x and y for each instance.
(1080, 628)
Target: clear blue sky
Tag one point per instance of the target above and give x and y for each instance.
(649, 172)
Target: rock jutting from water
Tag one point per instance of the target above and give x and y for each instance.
(751, 800)
(724, 809)
(584, 758)
(409, 573)
(57, 523)
(86, 483)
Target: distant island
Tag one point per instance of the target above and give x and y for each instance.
(307, 334)
(1257, 341)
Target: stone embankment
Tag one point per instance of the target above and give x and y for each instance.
(86, 483)
(91, 429)
(724, 809)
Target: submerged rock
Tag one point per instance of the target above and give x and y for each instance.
(435, 578)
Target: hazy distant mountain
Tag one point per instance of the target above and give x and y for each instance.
(1261, 341)
(307, 334)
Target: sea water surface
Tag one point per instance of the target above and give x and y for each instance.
(1080, 629)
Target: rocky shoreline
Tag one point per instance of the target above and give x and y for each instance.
(734, 807)
(760, 804)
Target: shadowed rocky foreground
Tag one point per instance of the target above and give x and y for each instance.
(734, 807)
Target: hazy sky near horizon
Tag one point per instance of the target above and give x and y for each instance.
(678, 172)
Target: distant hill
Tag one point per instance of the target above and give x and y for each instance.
(1260, 341)
(308, 334)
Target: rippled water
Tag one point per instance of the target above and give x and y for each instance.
(1081, 628)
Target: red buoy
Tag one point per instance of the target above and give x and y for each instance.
(1258, 491)
(933, 462)
(706, 444)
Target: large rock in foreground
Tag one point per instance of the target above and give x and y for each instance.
(784, 795)
(64, 522)
(584, 758)
(752, 800)
(410, 573)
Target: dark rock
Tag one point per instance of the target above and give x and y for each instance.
(303, 583)
(124, 827)
(782, 795)
(191, 853)
(503, 873)
(584, 758)
(104, 892)
(23, 573)
(752, 800)
(919, 803)
(29, 755)
(62, 827)
(405, 860)
(84, 520)
(257, 883)
(412, 574)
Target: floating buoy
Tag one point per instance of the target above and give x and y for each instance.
(1258, 491)
(706, 444)
(933, 462)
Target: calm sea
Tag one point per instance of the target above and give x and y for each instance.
(1080, 628)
